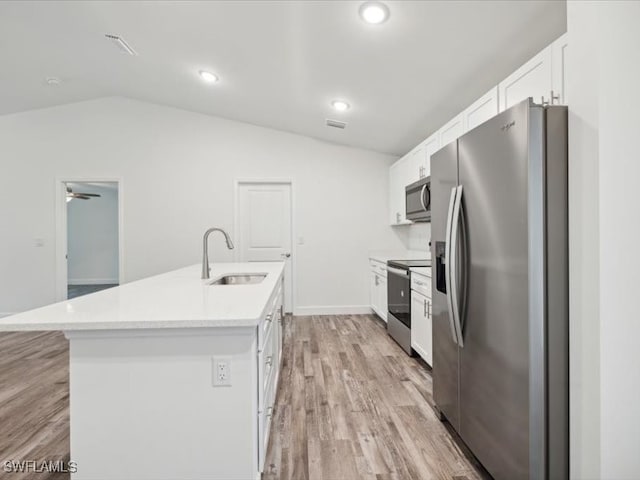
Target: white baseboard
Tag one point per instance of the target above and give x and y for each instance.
(6, 314)
(333, 310)
(92, 281)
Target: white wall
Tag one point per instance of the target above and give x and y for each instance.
(177, 170)
(584, 265)
(415, 236)
(604, 74)
(619, 104)
(92, 236)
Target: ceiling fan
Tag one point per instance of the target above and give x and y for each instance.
(83, 196)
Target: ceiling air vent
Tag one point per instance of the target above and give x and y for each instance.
(336, 123)
(121, 44)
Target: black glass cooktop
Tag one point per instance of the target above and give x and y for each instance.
(409, 263)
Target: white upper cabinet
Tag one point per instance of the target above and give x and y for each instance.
(400, 175)
(533, 79)
(559, 50)
(416, 164)
(543, 78)
(481, 110)
(430, 146)
(452, 130)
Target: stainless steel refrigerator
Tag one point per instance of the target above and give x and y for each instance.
(500, 292)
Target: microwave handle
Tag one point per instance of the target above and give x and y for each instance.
(424, 187)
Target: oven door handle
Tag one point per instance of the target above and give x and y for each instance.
(398, 271)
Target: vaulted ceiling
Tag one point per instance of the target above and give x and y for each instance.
(280, 63)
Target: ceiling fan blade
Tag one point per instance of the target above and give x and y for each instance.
(80, 196)
(89, 194)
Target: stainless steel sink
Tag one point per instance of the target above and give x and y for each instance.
(245, 279)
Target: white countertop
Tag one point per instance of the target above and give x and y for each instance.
(386, 255)
(177, 299)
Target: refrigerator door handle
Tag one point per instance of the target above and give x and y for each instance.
(447, 262)
(454, 266)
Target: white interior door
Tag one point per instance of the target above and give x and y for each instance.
(263, 219)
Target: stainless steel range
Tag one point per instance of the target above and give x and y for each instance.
(399, 300)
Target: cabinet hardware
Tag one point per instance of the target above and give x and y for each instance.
(269, 361)
(269, 412)
(429, 309)
(425, 307)
(554, 98)
(377, 280)
(418, 282)
(269, 317)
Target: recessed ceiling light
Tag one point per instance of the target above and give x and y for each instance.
(208, 76)
(374, 12)
(340, 105)
(52, 81)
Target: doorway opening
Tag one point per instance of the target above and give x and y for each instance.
(89, 237)
(264, 227)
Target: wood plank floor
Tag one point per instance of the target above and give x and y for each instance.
(351, 405)
(34, 401)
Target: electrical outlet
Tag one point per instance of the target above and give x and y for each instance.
(221, 371)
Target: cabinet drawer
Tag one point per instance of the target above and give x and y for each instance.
(271, 317)
(421, 284)
(378, 267)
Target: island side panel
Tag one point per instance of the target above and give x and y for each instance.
(143, 405)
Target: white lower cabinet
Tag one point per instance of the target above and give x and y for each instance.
(421, 322)
(270, 340)
(378, 288)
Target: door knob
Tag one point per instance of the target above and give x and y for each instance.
(285, 255)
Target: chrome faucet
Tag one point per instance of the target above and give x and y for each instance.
(205, 249)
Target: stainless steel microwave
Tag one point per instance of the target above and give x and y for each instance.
(419, 200)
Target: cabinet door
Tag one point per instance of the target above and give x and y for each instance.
(420, 326)
(429, 335)
(430, 146)
(559, 51)
(415, 165)
(382, 290)
(373, 290)
(481, 110)
(533, 79)
(452, 130)
(394, 185)
(399, 175)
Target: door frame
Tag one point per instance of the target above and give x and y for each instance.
(61, 229)
(236, 223)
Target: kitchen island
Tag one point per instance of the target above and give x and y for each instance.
(171, 377)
